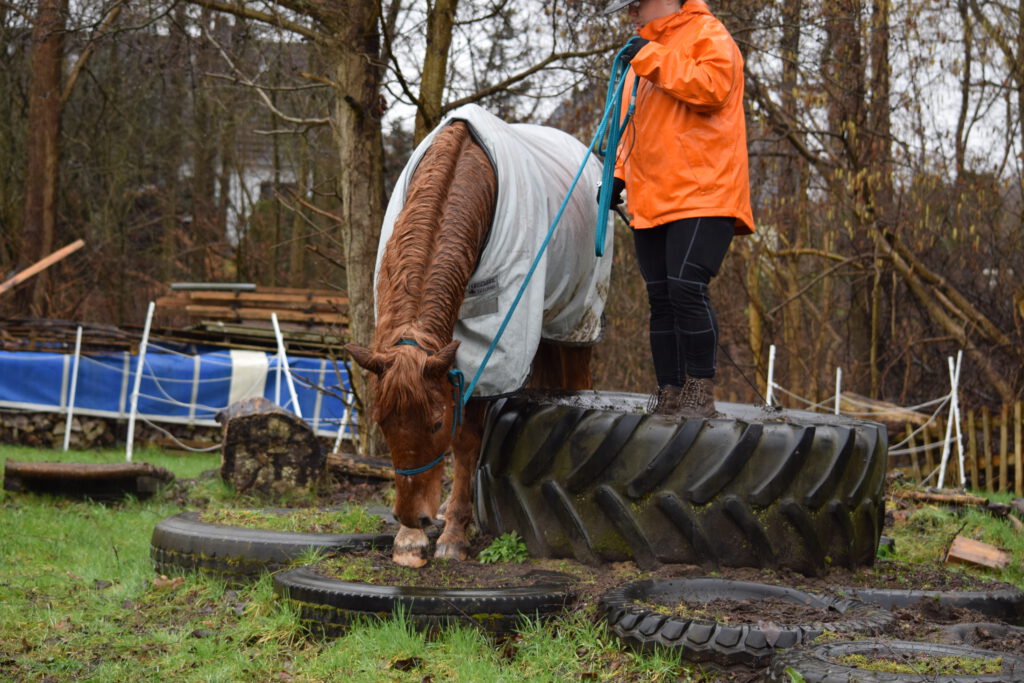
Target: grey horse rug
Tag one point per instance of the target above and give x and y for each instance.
(565, 297)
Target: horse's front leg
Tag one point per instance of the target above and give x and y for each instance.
(452, 543)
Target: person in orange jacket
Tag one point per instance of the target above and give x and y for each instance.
(683, 163)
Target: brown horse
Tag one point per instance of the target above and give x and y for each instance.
(421, 284)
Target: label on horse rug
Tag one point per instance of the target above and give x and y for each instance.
(565, 297)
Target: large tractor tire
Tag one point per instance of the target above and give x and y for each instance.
(590, 475)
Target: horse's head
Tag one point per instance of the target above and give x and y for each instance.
(415, 408)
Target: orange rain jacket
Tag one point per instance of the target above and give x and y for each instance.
(685, 155)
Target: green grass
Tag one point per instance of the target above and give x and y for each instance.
(348, 520)
(79, 601)
(926, 535)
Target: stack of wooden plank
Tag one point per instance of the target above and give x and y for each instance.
(241, 313)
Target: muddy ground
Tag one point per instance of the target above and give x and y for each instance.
(928, 620)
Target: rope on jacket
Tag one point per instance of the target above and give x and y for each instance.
(611, 130)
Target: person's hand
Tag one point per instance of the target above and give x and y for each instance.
(618, 185)
(632, 47)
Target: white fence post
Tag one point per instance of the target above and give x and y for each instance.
(74, 389)
(138, 382)
(839, 387)
(954, 379)
(771, 375)
(956, 419)
(283, 367)
(346, 420)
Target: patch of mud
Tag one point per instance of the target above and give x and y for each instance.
(759, 611)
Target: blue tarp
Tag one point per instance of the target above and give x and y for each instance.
(175, 387)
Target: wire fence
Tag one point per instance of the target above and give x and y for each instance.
(973, 447)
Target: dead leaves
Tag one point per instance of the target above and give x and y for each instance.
(165, 584)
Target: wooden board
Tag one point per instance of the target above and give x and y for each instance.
(968, 551)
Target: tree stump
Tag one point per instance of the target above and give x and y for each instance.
(268, 451)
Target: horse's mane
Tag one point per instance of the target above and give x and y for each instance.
(429, 259)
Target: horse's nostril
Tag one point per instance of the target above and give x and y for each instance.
(425, 521)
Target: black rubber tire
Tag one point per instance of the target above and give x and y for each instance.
(589, 475)
(92, 481)
(239, 555)
(816, 663)
(328, 606)
(725, 645)
(1005, 603)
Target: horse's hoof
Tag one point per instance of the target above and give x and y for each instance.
(411, 547)
(413, 559)
(451, 551)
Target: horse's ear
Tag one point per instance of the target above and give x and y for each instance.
(442, 361)
(366, 358)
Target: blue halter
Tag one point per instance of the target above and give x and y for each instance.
(457, 380)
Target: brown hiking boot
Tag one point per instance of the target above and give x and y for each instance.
(697, 398)
(665, 401)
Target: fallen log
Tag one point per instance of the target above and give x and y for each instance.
(950, 498)
(993, 507)
(348, 465)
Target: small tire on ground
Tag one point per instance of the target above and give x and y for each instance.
(1003, 603)
(590, 475)
(818, 663)
(722, 645)
(183, 543)
(95, 481)
(328, 606)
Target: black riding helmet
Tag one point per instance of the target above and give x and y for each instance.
(616, 5)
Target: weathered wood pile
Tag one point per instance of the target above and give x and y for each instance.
(46, 430)
(58, 336)
(309, 319)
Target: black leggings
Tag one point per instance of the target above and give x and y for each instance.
(678, 260)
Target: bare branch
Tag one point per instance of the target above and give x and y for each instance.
(245, 80)
(522, 75)
(18, 11)
(274, 20)
(76, 70)
(268, 88)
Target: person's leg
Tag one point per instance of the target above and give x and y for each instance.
(650, 253)
(695, 248)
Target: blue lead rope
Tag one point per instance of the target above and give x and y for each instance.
(612, 130)
(613, 102)
(422, 468)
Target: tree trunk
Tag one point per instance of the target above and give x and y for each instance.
(357, 131)
(435, 66)
(42, 149)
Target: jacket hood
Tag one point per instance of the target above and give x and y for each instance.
(658, 28)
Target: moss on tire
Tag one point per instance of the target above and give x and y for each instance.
(824, 663)
(236, 554)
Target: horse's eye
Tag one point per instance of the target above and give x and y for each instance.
(437, 427)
